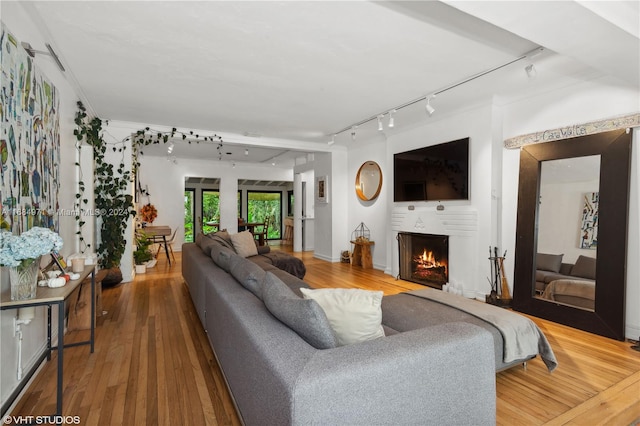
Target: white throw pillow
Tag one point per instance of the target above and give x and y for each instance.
(244, 244)
(355, 315)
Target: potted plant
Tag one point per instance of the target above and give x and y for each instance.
(142, 254)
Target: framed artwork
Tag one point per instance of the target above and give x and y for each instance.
(589, 223)
(322, 189)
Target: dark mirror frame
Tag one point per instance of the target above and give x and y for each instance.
(614, 147)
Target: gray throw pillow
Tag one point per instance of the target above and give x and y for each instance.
(206, 244)
(549, 262)
(248, 274)
(585, 267)
(304, 316)
(222, 256)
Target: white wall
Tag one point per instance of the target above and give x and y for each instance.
(34, 334)
(166, 182)
(374, 214)
(560, 219)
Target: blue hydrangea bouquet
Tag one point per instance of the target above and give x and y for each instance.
(21, 253)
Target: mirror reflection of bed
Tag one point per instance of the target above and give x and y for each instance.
(567, 238)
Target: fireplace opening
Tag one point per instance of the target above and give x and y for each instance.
(424, 258)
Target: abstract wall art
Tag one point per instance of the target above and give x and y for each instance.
(29, 141)
(589, 223)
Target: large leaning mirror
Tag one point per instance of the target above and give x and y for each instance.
(369, 181)
(571, 233)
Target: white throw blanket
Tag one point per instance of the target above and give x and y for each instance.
(522, 337)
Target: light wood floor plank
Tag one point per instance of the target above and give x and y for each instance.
(153, 364)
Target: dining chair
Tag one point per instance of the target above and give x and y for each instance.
(261, 234)
(169, 244)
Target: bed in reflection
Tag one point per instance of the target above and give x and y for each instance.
(566, 283)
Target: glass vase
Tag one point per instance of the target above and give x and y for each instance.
(24, 279)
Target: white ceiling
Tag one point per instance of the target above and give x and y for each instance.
(302, 71)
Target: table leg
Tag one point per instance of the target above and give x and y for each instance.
(166, 249)
(60, 356)
(48, 332)
(93, 308)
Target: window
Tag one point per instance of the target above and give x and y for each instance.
(210, 211)
(189, 213)
(263, 205)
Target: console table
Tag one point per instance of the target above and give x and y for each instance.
(362, 254)
(50, 297)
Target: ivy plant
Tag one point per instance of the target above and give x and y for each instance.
(112, 202)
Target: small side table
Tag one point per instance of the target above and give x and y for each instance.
(362, 254)
(50, 297)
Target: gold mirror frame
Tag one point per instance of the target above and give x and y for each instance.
(369, 176)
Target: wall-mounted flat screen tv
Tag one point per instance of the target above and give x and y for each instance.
(433, 173)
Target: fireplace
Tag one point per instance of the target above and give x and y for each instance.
(424, 258)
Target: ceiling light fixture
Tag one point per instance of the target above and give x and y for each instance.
(333, 140)
(380, 126)
(32, 52)
(529, 55)
(392, 121)
(430, 109)
(170, 148)
(353, 133)
(246, 151)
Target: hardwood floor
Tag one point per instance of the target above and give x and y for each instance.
(153, 365)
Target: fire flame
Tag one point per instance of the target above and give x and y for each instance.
(427, 260)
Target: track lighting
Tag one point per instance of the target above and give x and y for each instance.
(333, 140)
(430, 109)
(530, 69)
(246, 151)
(170, 148)
(353, 133)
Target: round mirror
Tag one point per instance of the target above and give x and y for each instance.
(369, 181)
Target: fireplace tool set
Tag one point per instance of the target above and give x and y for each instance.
(499, 285)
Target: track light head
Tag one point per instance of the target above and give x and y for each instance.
(392, 121)
(380, 126)
(430, 109)
(531, 71)
(333, 140)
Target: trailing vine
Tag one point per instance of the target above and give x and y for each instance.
(112, 203)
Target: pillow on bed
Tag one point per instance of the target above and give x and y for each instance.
(355, 315)
(549, 262)
(585, 267)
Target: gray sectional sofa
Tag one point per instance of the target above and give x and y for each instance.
(417, 374)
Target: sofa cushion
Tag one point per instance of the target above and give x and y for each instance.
(355, 315)
(304, 316)
(244, 244)
(221, 237)
(584, 267)
(248, 274)
(221, 256)
(549, 262)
